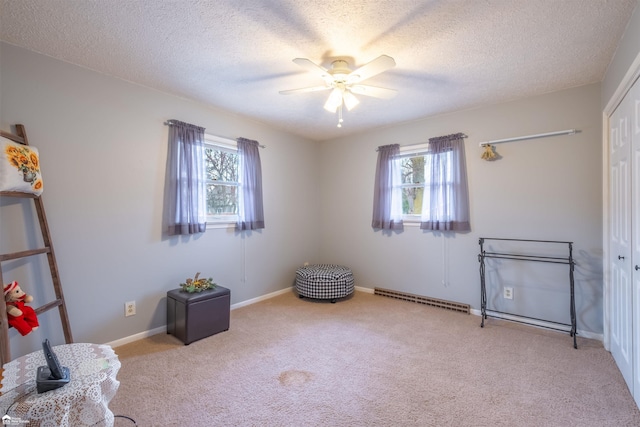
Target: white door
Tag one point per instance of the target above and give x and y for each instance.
(633, 106)
(621, 262)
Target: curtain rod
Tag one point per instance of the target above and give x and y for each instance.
(420, 143)
(521, 138)
(170, 123)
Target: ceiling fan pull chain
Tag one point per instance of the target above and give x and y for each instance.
(340, 115)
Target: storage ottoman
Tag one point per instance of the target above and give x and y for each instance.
(324, 281)
(193, 316)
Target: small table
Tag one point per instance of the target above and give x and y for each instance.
(82, 402)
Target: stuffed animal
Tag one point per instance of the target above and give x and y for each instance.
(20, 316)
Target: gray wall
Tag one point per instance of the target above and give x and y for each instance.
(541, 189)
(103, 147)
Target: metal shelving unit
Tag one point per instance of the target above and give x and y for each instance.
(530, 258)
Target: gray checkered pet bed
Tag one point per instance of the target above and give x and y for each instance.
(324, 281)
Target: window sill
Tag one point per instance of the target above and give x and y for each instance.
(221, 225)
(411, 220)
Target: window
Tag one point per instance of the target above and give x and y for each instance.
(426, 184)
(222, 183)
(211, 180)
(418, 170)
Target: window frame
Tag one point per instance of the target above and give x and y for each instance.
(221, 144)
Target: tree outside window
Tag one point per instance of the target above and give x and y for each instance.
(412, 173)
(221, 168)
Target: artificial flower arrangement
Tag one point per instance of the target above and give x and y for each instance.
(197, 285)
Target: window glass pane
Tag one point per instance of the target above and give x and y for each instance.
(412, 170)
(221, 169)
(221, 165)
(412, 200)
(222, 199)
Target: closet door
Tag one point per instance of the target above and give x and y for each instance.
(621, 262)
(633, 106)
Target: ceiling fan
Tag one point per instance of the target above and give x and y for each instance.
(344, 82)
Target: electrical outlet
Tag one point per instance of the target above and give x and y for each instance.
(129, 308)
(508, 293)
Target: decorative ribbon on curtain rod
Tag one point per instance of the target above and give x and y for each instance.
(170, 123)
(522, 138)
(452, 136)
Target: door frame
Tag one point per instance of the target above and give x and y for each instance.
(625, 84)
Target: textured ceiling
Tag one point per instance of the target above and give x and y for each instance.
(237, 54)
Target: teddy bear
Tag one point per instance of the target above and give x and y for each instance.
(20, 316)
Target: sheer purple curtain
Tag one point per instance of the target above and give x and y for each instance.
(445, 205)
(250, 215)
(186, 196)
(387, 194)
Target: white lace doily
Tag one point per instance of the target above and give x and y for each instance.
(82, 402)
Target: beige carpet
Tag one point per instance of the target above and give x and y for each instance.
(370, 361)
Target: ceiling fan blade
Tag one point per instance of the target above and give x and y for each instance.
(313, 67)
(377, 66)
(305, 89)
(374, 91)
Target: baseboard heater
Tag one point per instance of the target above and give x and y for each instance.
(434, 302)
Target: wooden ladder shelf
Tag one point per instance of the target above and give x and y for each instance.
(5, 352)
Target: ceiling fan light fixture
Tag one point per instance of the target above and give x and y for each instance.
(350, 101)
(344, 82)
(334, 100)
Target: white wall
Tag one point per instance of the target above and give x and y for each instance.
(541, 189)
(103, 150)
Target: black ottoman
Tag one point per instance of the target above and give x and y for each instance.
(193, 316)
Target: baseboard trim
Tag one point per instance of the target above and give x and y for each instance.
(260, 298)
(138, 336)
(163, 329)
(581, 333)
(542, 324)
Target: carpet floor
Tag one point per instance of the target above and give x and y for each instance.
(370, 361)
